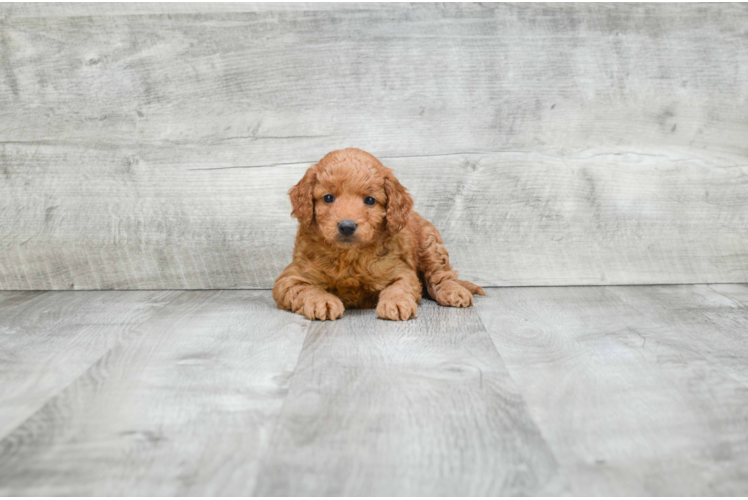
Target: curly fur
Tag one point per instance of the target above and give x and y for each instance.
(392, 255)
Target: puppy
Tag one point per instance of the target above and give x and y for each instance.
(361, 245)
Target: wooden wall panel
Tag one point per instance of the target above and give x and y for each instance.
(143, 147)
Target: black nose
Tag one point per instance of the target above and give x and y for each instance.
(346, 227)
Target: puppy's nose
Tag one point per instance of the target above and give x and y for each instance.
(346, 227)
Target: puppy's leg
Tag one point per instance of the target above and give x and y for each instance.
(441, 280)
(295, 293)
(399, 301)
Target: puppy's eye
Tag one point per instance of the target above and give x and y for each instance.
(329, 198)
(369, 201)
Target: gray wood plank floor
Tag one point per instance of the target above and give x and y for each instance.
(572, 390)
(638, 390)
(424, 407)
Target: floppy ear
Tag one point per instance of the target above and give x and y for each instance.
(399, 204)
(302, 198)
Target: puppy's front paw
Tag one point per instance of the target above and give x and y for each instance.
(474, 289)
(452, 294)
(322, 306)
(397, 308)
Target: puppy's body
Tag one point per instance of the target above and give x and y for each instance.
(384, 263)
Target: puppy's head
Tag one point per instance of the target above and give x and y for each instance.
(351, 198)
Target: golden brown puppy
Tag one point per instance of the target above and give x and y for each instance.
(360, 244)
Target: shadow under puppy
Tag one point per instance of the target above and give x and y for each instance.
(361, 245)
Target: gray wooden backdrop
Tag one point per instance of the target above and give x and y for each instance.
(152, 146)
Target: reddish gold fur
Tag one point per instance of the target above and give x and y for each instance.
(395, 253)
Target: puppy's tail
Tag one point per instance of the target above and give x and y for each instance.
(472, 288)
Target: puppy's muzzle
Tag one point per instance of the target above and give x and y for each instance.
(346, 227)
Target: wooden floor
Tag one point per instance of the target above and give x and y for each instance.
(638, 390)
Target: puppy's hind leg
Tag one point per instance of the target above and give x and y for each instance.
(441, 280)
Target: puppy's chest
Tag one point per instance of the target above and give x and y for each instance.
(358, 284)
(355, 278)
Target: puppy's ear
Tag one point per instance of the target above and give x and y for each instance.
(302, 197)
(399, 204)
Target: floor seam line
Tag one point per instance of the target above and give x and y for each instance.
(276, 423)
(106, 353)
(521, 394)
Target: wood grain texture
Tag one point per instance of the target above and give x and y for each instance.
(11, 300)
(423, 407)
(712, 320)
(593, 391)
(553, 144)
(734, 291)
(507, 219)
(638, 390)
(77, 9)
(184, 407)
(48, 340)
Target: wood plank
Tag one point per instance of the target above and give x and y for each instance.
(424, 407)
(48, 340)
(184, 408)
(141, 149)
(457, 78)
(711, 322)
(10, 301)
(631, 404)
(507, 219)
(47, 9)
(735, 291)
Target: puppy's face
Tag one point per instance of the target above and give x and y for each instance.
(349, 204)
(351, 198)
